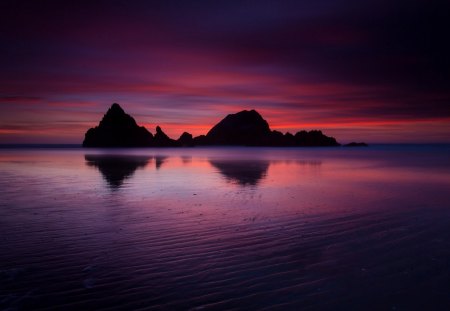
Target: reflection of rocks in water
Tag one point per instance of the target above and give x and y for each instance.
(186, 159)
(159, 161)
(115, 168)
(242, 172)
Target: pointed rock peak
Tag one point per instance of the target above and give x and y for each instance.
(160, 134)
(162, 140)
(115, 109)
(116, 116)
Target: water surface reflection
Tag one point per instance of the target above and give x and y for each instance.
(244, 173)
(159, 161)
(346, 229)
(116, 168)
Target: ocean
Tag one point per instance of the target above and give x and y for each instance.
(225, 228)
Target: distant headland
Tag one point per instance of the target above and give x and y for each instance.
(245, 128)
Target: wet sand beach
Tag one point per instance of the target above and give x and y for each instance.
(225, 229)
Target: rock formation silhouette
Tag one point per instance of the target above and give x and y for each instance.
(248, 128)
(186, 140)
(162, 140)
(245, 128)
(118, 129)
(314, 139)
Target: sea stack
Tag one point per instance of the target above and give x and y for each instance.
(162, 140)
(118, 129)
(246, 128)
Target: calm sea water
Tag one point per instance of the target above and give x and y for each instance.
(225, 228)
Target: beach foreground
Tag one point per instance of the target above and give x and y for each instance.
(225, 228)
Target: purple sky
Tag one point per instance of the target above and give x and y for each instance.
(377, 71)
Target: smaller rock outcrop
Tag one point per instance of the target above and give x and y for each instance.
(162, 140)
(186, 140)
(314, 139)
(117, 129)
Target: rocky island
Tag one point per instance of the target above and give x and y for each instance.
(118, 129)
(245, 128)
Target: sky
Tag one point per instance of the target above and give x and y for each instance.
(374, 71)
